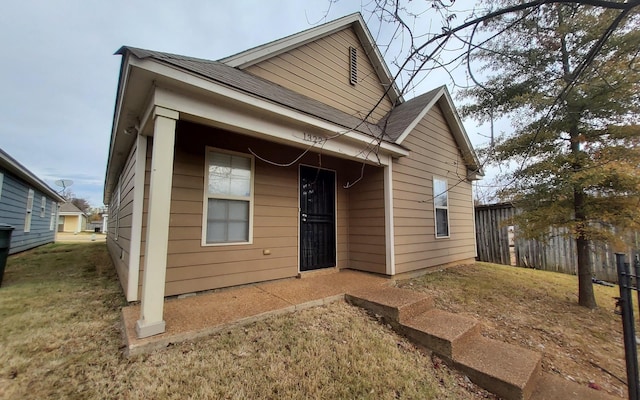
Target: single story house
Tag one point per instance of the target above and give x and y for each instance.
(28, 204)
(72, 219)
(293, 156)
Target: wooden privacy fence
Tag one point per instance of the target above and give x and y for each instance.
(499, 243)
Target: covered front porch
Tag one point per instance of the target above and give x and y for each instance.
(182, 139)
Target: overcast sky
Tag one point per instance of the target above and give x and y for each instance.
(58, 74)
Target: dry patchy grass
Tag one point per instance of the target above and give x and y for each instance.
(60, 338)
(538, 310)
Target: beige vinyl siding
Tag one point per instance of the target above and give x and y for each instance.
(320, 70)
(119, 249)
(433, 153)
(366, 224)
(192, 267)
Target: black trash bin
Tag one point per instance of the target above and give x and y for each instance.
(5, 242)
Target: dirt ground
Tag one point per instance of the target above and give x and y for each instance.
(538, 310)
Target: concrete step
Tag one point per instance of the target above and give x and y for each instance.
(393, 304)
(444, 333)
(509, 371)
(550, 387)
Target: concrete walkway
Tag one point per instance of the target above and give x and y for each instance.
(201, 315)
(81, 237)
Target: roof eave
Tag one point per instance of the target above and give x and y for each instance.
(189, 78)
(13, 166)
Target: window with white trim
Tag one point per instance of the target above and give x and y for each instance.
(27, 218)
(441, 207)
(43, 206)
(52, 222)
(228, 203)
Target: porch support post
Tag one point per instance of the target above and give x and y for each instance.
(151, 320)
(136, 217)
(388, 218)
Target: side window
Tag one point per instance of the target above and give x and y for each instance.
(52, 223)
(228, 207)
(27, 218)
(43, 206)
(441, 207)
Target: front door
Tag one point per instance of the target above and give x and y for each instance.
(317, 218)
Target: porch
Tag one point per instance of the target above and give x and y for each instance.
(197, 316)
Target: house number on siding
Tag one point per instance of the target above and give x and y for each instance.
(308, 137)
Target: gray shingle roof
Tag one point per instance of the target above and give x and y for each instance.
(257, 86)
(400, 117)
(12, 165)
(70, 208)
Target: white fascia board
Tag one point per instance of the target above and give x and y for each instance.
(258, 102)
(232, 117)
(257, 54)
(382, 70)
(122, 84)
(460, 133)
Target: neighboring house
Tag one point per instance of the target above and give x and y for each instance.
(230, 172)
(27, 204)
(72, 219)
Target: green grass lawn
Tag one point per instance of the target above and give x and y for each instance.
(60, 338)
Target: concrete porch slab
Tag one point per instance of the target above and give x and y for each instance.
(199, 316)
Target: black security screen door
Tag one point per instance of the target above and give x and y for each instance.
(317, 218)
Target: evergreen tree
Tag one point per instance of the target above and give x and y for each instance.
(568, 75)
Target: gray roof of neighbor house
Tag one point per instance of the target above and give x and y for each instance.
(70, 208)
(12, 165)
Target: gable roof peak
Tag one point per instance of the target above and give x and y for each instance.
(402, 119)
(274, 48)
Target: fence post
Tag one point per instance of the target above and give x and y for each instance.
(636, 271)
(628, 328)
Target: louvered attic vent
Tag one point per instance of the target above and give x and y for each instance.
(353, 65)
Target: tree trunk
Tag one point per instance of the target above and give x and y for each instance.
(586, 297)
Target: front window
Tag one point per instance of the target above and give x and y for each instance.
(228, 198)
(27, 218)
(441, 207)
